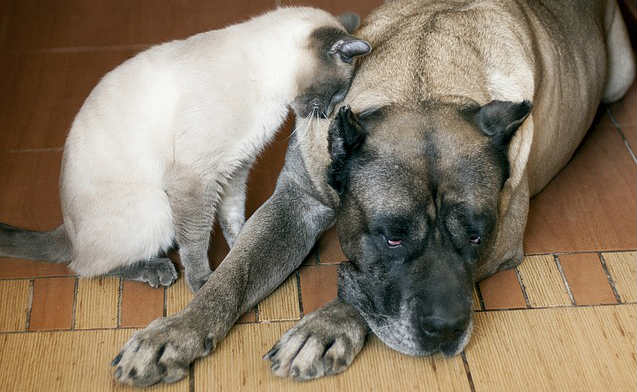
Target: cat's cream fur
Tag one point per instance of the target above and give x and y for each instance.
(165, 140)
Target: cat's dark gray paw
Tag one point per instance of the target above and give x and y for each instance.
(158, 271)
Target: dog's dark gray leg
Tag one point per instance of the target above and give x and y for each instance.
(271, 245)
(324, 342)
(156, 271)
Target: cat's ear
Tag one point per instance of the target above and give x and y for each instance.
(350, 21)
(346, 135)
(350, 47)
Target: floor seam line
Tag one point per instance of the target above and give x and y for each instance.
(522, 287)
(480, 298)
(40, 277)
(68, 330)
(74, 308)
(575, 252)
(30, 306)
(564, 280)
(468, 371)
(560, 307)
(191, 377)
(165, 307)
(610, 279)
(298, 289)
(619, 130)
(119, 302)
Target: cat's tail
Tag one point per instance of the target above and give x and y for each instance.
(53, 246)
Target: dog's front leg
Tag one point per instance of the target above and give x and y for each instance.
(271, 245)
(324, 342)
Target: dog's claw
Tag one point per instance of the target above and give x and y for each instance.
(271, 353)
(322, 343)
(116, 359)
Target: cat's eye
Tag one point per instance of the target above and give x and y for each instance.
(474, 239)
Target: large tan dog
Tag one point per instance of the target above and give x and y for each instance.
(463, 111)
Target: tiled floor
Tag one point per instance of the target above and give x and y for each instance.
(563, 320)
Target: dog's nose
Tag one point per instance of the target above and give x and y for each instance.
(444, 328)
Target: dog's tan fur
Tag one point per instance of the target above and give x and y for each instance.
(520, 50)
(565, 60)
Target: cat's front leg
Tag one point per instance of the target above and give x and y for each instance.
(232, 209)
(193, 200)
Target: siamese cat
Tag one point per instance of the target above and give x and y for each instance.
(164, 142)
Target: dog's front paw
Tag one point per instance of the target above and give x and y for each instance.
(322, 343)
(162, 352)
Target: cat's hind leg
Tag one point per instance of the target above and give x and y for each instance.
(121, 230)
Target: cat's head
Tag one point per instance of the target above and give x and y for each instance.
(332, 57)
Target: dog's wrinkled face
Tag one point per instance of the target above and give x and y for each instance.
(419, 195)
(333, 53)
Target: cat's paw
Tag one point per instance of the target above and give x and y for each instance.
(160, 272)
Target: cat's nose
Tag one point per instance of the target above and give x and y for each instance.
(317, 106)
(315, 103)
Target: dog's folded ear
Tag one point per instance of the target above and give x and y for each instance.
(500, 119)
(346, 134)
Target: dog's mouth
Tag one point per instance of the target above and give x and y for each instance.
(407, 339)
(398, 326)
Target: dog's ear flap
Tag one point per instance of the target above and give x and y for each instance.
(500, 119)
(345, 135)
(510, 126)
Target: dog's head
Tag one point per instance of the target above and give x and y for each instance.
(419, 192)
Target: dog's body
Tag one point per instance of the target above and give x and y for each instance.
(438, 166)
(167, 139)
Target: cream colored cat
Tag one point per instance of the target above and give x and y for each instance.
(165, 141)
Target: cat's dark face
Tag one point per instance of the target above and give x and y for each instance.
(334, 52)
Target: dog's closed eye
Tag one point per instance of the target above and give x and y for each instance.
(474, 239)
(393, 243)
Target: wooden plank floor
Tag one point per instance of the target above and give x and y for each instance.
(563, 320)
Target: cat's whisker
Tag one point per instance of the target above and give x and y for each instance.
(296, 125)
(310, 123)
